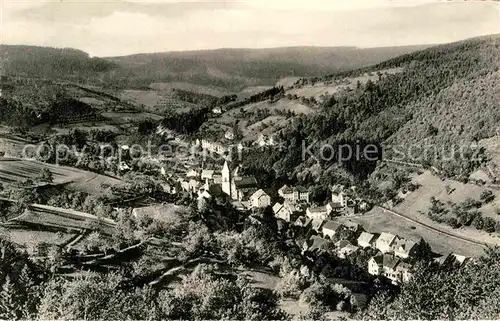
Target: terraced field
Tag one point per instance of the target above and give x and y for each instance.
(15, 170)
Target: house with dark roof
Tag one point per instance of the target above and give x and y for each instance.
(391, 267)
(286, 211)
(294, 194)
(404, 248)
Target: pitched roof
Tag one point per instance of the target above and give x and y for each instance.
(342, 243)
(258, 194)
(405, 245)
(331, 225)
(335, 205)
(277, 207)
(302, 221)
(285, 189)
(207, 173)
(390, 261)
(302, 189)
(351, 225)
(404, 266)
(318, 209)
(245, 181)
(366, 237)
(386, 238)
(317, 223)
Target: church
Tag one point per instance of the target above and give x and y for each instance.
(238, 187)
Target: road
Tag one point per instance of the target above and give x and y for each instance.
(466, 239)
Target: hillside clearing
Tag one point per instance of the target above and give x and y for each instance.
(331, 87)
(16, 170)
(201, 89)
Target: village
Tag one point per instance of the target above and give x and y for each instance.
(291, 204)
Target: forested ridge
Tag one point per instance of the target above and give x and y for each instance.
(441, 90)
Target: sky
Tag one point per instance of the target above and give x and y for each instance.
(113, 28)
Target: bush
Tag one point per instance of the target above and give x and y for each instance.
(478, 222)
(487, 196)
(489, 224)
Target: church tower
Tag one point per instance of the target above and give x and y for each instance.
(226, 179)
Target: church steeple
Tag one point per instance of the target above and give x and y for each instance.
(226, 179)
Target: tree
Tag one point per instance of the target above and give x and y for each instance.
(478, 222)
(487, 196)
(45, 176)
(489, 224)
(468, 292)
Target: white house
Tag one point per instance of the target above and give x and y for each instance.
(366, 240)
(260, 199)
(320, 212)
(330, 228)
(294, 194)
(217, 110)
(386, 242)
(192, 173)
(385, 265)
(229, 135)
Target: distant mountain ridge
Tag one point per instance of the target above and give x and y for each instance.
(230, 68)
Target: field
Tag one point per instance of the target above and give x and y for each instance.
(64, 219)
(12, 170)
(331, 87)
(127, 117)
(201, 89)
(30, 237)
(281, 105)
(377, 221)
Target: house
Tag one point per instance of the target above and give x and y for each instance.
(391, 267)
(451, 259)
(316, 224)
(339, 196)
(320, 212)
(303, 221)
(386, 242)
(404, 248)
(207, 174)
(384, 265)
(213, 147)
(217, 110)
(366, 240)
(294, 194)
(192, 173)
(345, 251)
(286, 211)
(330, 228)
(334, 208)
(260, 199)
(193, 185)
(229, 135)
